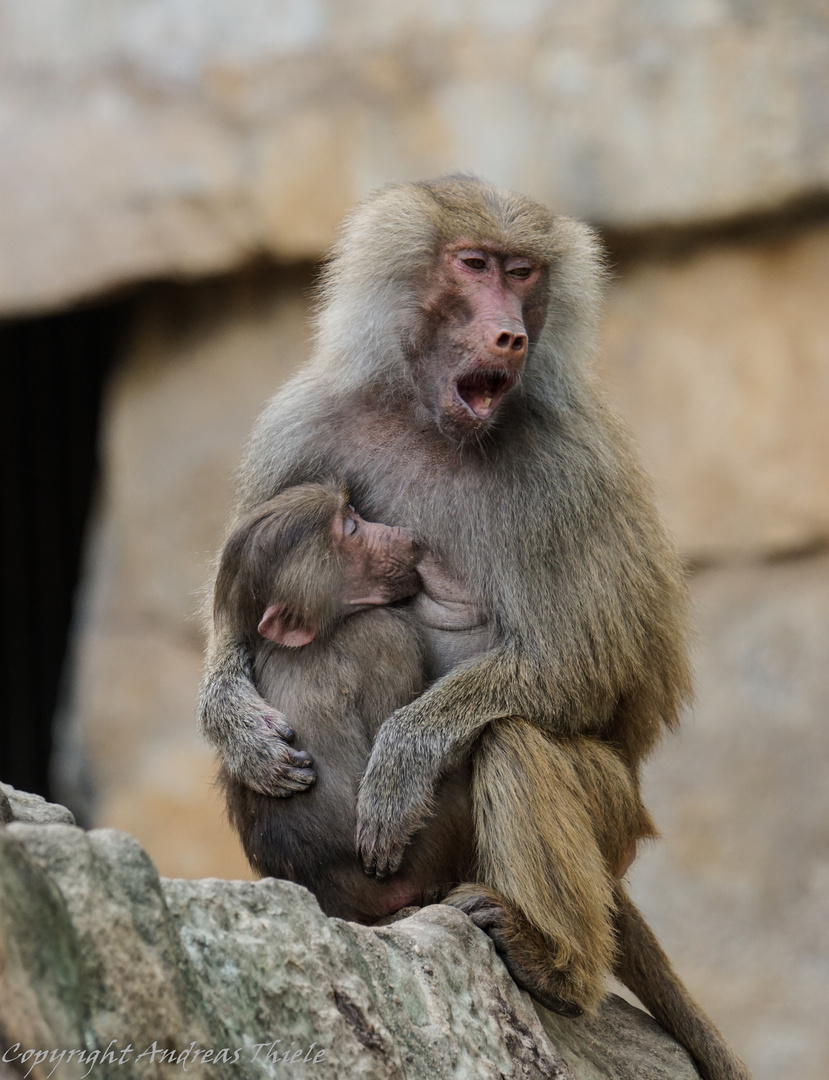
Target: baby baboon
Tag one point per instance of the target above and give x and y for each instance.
(305, 582)
(450, 393)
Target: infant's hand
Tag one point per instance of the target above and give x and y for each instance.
(267, 763)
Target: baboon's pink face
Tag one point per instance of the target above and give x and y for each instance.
(481, 312)
(378, 560)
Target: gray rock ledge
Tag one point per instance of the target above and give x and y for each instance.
(250, 980)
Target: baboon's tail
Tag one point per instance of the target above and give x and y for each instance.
(642, 966)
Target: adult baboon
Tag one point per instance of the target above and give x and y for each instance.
(449, 393)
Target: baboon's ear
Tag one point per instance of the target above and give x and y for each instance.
(280, 627)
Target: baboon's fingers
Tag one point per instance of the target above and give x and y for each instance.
(278, 725)
(391, 806)
(276, 769)
(379, 849)
(294, 781)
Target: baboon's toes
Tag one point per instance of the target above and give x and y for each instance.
(485, 912)
(555, 1004)
(489, 916)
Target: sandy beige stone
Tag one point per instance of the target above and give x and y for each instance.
(719, 360)
(737, 887)
(157, 138)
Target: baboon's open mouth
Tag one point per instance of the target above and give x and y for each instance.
(481, 391)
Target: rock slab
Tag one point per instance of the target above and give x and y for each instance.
(146, 977)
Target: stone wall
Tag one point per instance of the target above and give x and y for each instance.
(719, 358)
(164, 137)
(153, 140)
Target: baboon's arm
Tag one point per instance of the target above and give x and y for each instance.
(421, 741)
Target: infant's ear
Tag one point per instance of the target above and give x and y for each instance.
(278, 626)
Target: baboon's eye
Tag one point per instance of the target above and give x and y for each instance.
(475, 263)
(518, 267)
(349, 524)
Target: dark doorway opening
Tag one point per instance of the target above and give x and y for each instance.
(52, 374)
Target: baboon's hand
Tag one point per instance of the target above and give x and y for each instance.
(381, 840)
(251, 736)
(391, 807)
(267, 763)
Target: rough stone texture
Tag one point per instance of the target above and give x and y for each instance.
(161, 137)
(738, 888)
(23, 806)
(96, 952)
(719, 359)
(583, 1043)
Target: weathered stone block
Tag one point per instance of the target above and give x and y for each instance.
(737, 887)
(719, 360)
(154, 139)
(98, 955)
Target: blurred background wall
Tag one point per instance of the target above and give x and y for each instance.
(169, 173)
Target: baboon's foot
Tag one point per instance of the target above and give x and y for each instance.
(525, 954)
